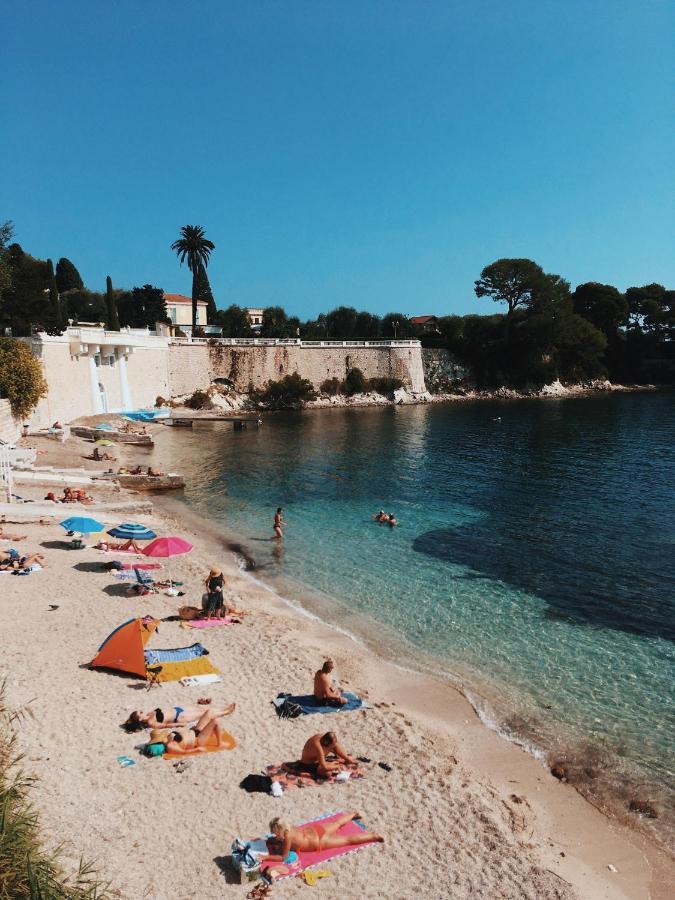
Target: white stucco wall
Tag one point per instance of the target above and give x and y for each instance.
(74, 377)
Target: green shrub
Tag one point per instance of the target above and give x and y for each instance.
(21, 378)
(355, 383)
(385, 386)
(197, 401)
(331, 386)
(287, 392)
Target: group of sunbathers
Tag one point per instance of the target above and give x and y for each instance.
(71, 495)
(15, 562)
(181, 729)
(138, 470)
(385, 518)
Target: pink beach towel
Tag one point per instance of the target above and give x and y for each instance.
(146, 567)
(207, 623)
(309, 859)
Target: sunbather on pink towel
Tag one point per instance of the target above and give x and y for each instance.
(308, 838)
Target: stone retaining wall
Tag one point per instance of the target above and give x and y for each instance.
(194, 366)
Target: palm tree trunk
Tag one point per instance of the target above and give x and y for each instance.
(195, 287)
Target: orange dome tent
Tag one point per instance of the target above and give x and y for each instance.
(124, 651)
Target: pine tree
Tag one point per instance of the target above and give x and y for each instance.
(67, 276)
(204, 293)
(111, 304)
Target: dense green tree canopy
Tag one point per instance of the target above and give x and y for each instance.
(25, 303)
(234, 322)
(511, 281)
(602, 305)
(67, 276)
(396, 325)
(142, 307)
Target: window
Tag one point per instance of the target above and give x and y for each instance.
(97, 360)
(172, 313)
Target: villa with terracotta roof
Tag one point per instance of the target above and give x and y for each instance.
(427, 324)
(179, 310)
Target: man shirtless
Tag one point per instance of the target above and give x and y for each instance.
(314, 754)
(324, 689)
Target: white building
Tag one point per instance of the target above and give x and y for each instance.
(179, 310)
(255, 317)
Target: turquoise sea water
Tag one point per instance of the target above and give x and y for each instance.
(533, 561)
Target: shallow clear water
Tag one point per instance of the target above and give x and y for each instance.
(533, 559)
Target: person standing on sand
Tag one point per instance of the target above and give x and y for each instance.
(324, 689)
(278, 522)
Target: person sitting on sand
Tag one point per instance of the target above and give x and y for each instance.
(314, 755)
(177, 715)
(190, 740)
(83, 497)
(278, 522)
(153, 474)
(68, 496)
(136, 471)
(57, 426)
(324, 689)
(313, 837)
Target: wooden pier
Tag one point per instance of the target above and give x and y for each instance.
(239, 422)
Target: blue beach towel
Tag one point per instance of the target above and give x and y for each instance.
(309, 704)
(180, 654)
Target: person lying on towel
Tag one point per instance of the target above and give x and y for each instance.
(175, 715)
(291, 840)
(191, 740)
(314, 755)
(324, 689)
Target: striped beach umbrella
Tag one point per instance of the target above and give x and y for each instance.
(132, 531)
(82, 524)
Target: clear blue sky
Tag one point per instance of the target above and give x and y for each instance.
(376, 154)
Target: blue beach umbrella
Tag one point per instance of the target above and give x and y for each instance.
(82, 524)
(131, 531)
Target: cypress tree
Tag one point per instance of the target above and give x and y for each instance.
(54, 321)
(111, 304)
(67, 276)
(204, 293)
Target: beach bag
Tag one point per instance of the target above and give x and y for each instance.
(244, 861)
(157, 749)
(256, 784)
(289, 710)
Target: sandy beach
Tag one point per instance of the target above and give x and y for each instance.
(464, 813)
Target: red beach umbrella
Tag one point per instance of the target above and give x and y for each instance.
(167, 547)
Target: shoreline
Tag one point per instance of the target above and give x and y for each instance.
(434, 714)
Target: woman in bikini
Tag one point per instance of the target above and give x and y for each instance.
(176, 715)
(278, 522)
(307, 838)
(190, 740)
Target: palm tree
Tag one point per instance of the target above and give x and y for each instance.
(196, 249)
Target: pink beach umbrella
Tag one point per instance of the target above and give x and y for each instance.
(167, 547)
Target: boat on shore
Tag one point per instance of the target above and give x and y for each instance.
(118, 437)
(168, 482)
